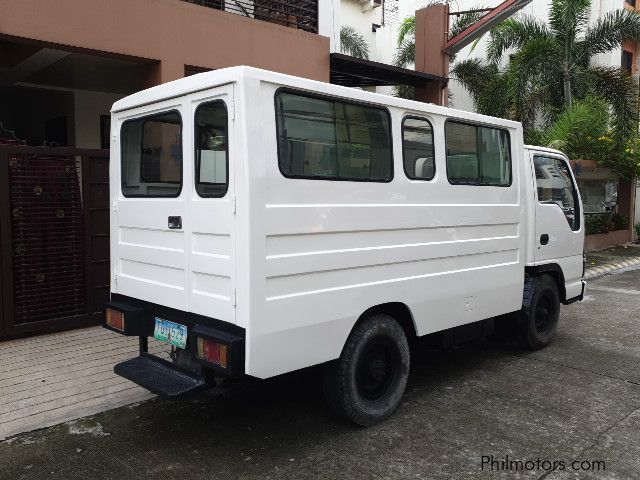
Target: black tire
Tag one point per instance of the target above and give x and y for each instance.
(367, 382)
(538, 322)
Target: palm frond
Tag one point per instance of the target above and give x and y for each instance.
(610, 31)
(465, 20)
(407, 29)
(567, 18)
(529, 69)
(577, 130)
(406, 54)
(486, 85)
(474, 75)
(514, 33)
(353, 43)
(404, 91)
(619, 90)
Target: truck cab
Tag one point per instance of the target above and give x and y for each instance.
(558, 242)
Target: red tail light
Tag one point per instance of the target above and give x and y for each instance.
(115, 319)
(213, 352)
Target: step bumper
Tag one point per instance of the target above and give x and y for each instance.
(160, 377)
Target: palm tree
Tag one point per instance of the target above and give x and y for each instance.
(553, 65)
(353, 43)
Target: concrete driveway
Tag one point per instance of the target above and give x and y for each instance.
(486, 410)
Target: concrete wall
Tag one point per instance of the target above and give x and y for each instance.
(172, 32)
(329, 22)
(383, 44)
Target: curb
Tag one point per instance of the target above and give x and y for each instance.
(594, 272)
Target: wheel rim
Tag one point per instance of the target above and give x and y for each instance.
(545, 313)
(377, 369)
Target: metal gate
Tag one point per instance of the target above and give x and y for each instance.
(54, 238)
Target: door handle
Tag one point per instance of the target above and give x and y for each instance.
(175, 223)
(544, 239)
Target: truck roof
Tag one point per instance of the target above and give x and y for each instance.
(206, 80)
(543, 149)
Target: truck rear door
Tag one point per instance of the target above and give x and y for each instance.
(173, 205)
(149, 197)
(211, 205)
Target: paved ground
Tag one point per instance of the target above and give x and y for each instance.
(55, 378)
(578, 399)
(610, 259)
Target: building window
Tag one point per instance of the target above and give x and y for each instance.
(477, 155)
(151, 149)
(627, 61)
(212, 149)
(417, 149)
(555, 186)
(326, 139)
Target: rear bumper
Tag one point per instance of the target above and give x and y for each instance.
(139, 321)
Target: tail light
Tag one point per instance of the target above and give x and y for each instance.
(213, 352)
(115, 319)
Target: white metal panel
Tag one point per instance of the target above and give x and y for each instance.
(452, 253)
(210, 229)
(189, 269)
(148, 260)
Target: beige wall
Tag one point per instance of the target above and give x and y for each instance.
(88, 107)
(170, 31)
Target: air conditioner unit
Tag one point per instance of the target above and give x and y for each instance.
(368, 5)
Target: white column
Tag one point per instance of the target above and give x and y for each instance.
(329, 22)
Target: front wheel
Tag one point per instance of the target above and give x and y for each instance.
(538, 322)
(367, 382)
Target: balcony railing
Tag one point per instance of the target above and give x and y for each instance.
(300, 14)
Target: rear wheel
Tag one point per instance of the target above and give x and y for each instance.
(538, 322)
(367, 382)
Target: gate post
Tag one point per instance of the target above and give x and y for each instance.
(85, 182)
(6, 280)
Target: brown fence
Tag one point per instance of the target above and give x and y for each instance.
(54, 238)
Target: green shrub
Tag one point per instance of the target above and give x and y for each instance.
(597, 224)
(620, 221)
(605, 223)
(637, 227)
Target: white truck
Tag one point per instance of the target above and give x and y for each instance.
(263, 223)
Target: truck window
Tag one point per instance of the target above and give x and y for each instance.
(417, 149)
(211, 149)
(326, 139)
(477, 155)
(151, 150)
(555, 186)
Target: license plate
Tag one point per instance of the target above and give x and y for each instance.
(170, 332)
